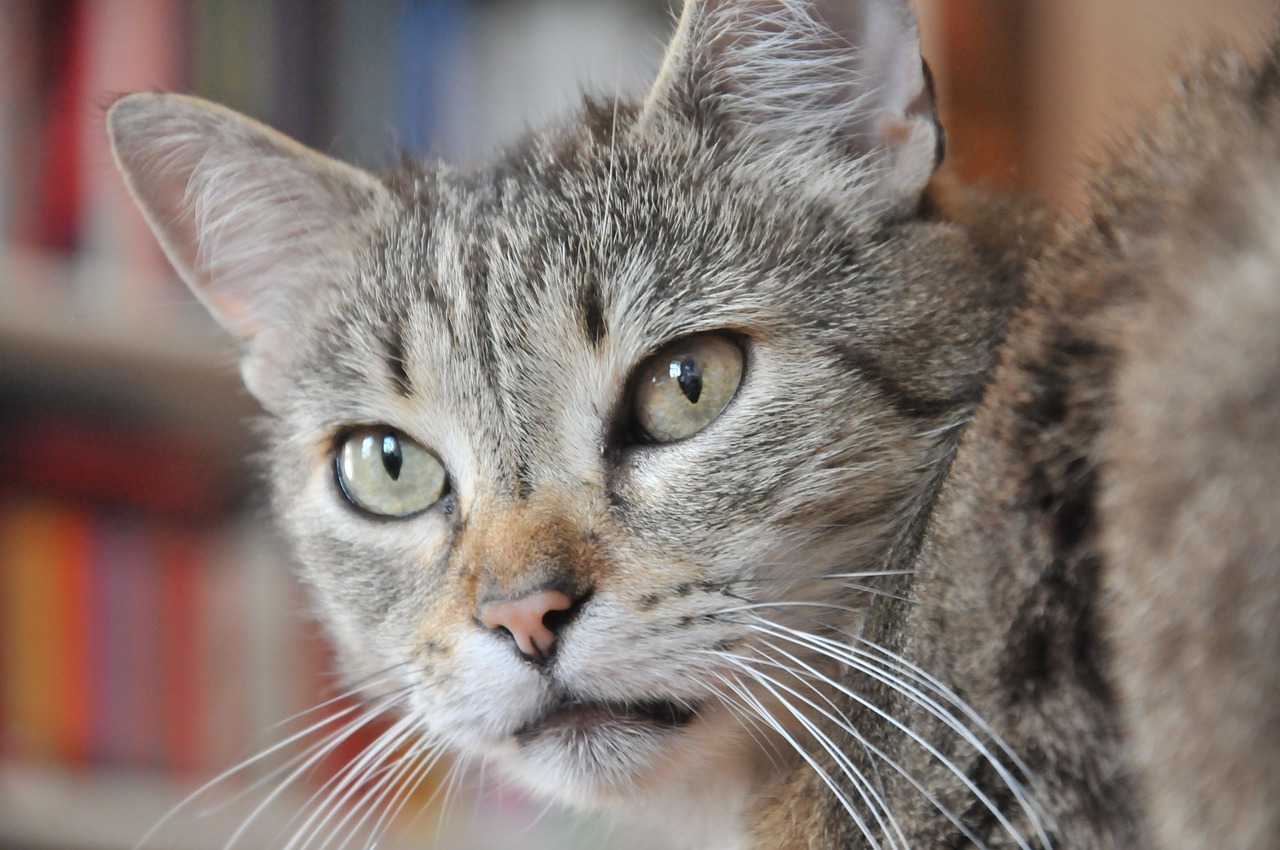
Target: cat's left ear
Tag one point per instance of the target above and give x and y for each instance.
(831, 96)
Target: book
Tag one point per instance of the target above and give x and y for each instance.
(129, 45)
(55, 153)
(17, 71)
(110, 460)
(32, 640)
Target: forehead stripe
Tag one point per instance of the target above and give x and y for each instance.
(394, 340)
(591, 309)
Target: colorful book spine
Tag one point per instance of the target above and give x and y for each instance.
(129, 45)
(53, 222)
(29, 633)
(126, 639)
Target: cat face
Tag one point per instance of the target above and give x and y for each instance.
(505, 322)
(583, 450)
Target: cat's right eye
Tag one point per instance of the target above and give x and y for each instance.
(383, 472)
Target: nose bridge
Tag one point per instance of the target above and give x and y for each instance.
(527, 546)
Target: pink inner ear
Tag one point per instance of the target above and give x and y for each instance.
(232, 312)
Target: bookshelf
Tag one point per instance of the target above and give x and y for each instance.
(167, 359)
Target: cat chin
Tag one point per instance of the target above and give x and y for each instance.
(592, 770)
(689, 784)
(691, 777)
(596, 755)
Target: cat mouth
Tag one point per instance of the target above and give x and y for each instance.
(584, 717)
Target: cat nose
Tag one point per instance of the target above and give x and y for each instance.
(532, 621)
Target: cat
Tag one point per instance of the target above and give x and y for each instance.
(714, 458)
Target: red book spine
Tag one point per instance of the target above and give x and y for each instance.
(103, 648)
(62, 175)
(222, 666)
(164, 470)
(133, 45)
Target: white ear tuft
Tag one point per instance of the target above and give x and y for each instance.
(830, 94)
(246, 215)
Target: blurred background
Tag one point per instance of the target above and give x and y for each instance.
(150, 633)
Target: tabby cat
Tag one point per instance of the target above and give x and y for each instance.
(709, 459)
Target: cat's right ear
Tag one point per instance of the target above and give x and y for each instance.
(829, 96)
(252, 221)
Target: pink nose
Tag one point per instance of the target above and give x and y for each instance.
(524, 619)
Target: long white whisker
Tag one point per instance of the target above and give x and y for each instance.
(748, 720)
(451, 780)
(427, 757)
(867, 662)
(848, 728)
(913, 672)
(815, 577)
(755, 606)
(354, 690)
(764, 714)
(242, 766)
(389, 784)
(923, 677)
(874, 801)
(332, 743)
(843, 655)
(338, 790)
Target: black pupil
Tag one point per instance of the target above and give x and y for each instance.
(690, 379)
(392, 459)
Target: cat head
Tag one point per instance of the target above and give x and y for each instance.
(567, 442)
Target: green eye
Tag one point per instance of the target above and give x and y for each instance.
(385, 473)
(683, 388)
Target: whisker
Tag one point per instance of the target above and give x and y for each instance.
(354, 689)
(812, 577)
(923, 678)
(755, 606)
(751, 723)
(839, 653)
(391, 785)
(871, 748)
(338, 790)
(356, 709)
(752, 701)
(842, 760)
(451, 780)
(427, 758)
(311, 761)
(915, 673)
(241, 767)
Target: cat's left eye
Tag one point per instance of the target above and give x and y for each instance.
(684, 387)
(383, 472)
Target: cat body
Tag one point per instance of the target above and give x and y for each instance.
(709, 458)
(1100, 580)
